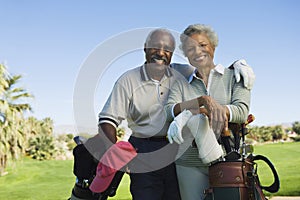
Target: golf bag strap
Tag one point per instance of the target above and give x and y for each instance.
(274, 187)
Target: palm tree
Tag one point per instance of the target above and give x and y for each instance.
(3, 143)
(3, 82)
(47, 126)
(12, 106)
(3, 85)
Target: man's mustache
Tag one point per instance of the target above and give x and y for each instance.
(158, 57)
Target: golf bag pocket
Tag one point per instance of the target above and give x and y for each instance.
(238, 180)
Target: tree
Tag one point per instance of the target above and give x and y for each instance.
(277, 132)
(259, 134)
(41, 143)
(12, 107)
(3, 143)
(296, 127)
(42, 147)
(3, 81)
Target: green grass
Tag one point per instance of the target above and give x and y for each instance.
(53, 180)
(30, 179)
(45, 180)
(286, 159)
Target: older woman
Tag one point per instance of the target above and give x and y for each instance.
(212, 90)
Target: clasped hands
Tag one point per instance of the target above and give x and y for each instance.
(216, 113)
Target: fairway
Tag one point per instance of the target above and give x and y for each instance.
(285, 157)
(53, 180)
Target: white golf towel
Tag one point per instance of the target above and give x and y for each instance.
(208, 146)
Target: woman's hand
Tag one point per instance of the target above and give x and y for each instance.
(217, 114)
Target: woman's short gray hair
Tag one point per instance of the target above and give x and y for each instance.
(198, 29)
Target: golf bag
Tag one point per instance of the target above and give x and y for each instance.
(85, 166)
(238, 180)
(236, 177)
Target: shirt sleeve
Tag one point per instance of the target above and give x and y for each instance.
(116, 107)
(240, 103)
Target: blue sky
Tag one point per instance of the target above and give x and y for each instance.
(48, 41)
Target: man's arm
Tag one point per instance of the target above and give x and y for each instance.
(240, 67)
(109, 131)
(218, 114)
(184, 69)
(98, 144)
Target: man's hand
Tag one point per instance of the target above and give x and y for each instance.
(175, 128)
(241, 68)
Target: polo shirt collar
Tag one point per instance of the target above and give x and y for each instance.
(218, 68)
(146, 77)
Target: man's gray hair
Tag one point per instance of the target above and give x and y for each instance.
(163, 30)
(198, 29)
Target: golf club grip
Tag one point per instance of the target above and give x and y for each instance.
(250, 119)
